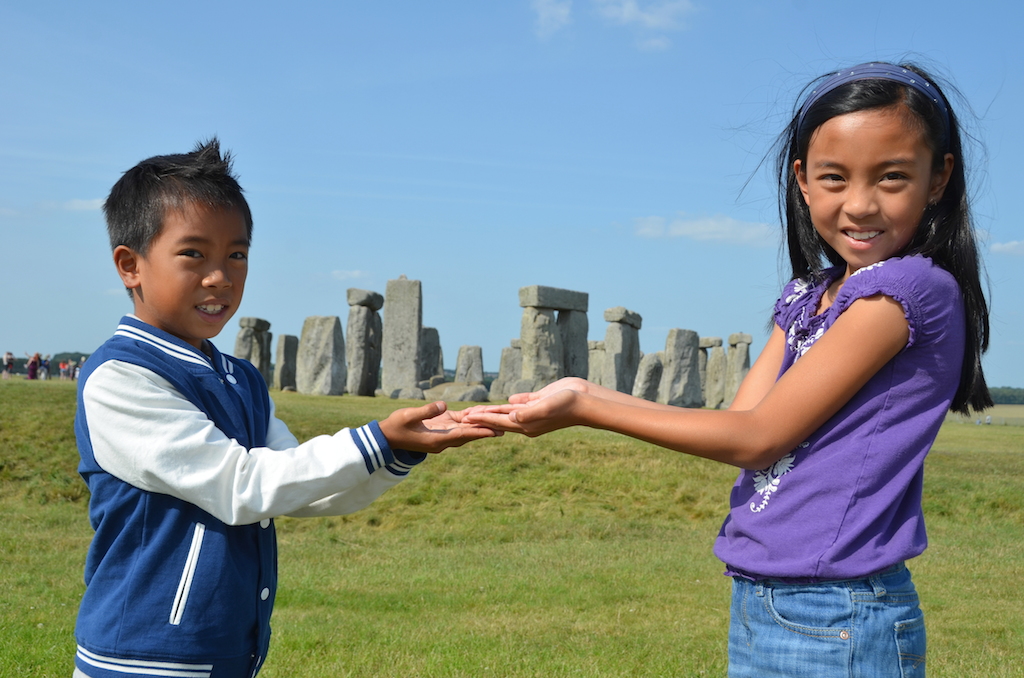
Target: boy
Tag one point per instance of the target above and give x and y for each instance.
(185, 460)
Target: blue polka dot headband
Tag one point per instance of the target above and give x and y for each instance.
(876, 71)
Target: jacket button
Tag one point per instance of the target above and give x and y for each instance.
(265, 523)
(264, 594)
(231, 379)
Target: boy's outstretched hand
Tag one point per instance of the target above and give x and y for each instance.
(431, 428)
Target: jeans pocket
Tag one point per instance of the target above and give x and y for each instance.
(818, 611)
(911, 644)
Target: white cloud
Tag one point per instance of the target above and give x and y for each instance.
(717, 228)
(347, 275)
(83, 205)
(552, 15)
(1014, 247)
(666, 15)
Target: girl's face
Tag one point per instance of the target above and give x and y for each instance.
(867, 180)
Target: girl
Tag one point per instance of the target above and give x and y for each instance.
(878, 334)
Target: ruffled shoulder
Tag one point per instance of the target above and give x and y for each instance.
(927, 292)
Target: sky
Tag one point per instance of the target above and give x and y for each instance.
(615, 147)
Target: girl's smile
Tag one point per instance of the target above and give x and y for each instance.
(867, 180)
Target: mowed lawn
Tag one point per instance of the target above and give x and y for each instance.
(581, 553)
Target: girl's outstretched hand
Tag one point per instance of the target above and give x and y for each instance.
(533, 415)
(565, 384)
(432, 428)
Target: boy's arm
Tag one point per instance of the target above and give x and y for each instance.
(145, 433)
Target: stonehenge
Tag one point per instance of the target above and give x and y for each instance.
(253, 344)
(363, 350)
(714, 372)
(403, 322)
(320, 360)
(621, 349)
(737, 364)
(648, 376)
(510, 370)
(397, 357)
(469, 369)
(284, 367)
(680, 377)
(431, 369)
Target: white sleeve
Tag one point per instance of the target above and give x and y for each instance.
(144, 432)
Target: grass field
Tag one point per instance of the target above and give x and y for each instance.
(577, 554)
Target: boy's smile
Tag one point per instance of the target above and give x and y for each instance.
(190, 281)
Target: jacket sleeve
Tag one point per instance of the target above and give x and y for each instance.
(147, 434)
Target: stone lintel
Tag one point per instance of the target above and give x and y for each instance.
(540, 296)
(258, 324)
(620, 314)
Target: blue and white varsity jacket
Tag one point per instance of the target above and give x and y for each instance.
(188, 466)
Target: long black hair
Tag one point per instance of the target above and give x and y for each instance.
(945, 234)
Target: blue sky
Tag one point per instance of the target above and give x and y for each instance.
(606, 146)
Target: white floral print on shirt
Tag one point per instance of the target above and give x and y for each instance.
(767, 481)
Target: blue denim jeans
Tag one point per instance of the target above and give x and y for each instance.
(858, 628)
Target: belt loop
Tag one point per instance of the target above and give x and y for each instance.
(877, 585)
(759, 589)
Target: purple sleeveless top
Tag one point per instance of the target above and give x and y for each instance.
(847, 502)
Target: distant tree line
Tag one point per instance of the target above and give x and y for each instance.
(1007, 395)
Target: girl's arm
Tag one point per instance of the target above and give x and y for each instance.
(864, 338)
(581, 386)
(755, 385)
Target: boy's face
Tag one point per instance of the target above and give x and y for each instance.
(191, 280)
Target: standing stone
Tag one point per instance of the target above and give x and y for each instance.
(573, 327)
(510, 371)
(253, 343)
(737, 365)
(621, 349)
(320, 363)
(403, 320)
(363, 352)
(541, 348)
(284, 369)
(680, 378)
(705, 344)
(714, 393)
(648, 376)
(469, 369)
(595, 366)
(431, 360)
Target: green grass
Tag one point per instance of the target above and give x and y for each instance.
(580, 553)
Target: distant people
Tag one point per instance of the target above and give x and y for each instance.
(62, 366)
(44, 368)
(33, 366)
(8, 365)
